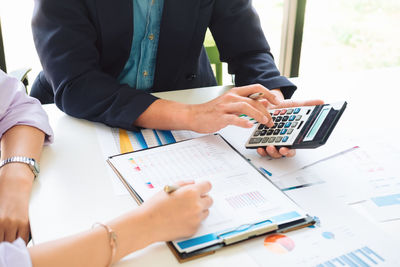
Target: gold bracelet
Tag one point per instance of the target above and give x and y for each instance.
(112, 236)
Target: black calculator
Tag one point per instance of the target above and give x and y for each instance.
(298, 127)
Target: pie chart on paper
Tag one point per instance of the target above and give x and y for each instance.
(279, 244)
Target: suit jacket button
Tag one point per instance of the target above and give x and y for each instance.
(191, 77)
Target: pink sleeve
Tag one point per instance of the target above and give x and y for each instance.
(17, 108)
(14, 254)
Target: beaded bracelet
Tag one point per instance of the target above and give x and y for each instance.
(112, 236)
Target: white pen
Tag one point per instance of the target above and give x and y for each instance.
(255, 96)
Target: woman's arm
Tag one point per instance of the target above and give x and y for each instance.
(16, 180)
(164, 217)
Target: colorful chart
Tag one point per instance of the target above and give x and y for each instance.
(135, 165)
(150, 185)
(128, 141)
(279, 244)
(125, 144)
(361, 257)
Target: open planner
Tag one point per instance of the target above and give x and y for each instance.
(246, 203)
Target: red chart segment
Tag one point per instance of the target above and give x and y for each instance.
(279, 244)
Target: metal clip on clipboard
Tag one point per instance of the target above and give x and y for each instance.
(246, 231)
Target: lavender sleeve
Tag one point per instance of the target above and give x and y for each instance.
(14, 254)
(17, 108)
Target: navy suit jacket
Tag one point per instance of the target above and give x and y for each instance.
(83, 46)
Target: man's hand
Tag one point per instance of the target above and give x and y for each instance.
(224, 110)
(288, 103)
(211, 116)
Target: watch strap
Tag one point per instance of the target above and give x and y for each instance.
(33, 165)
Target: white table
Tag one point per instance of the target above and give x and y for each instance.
(74, 190)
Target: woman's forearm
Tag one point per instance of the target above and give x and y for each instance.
(22, 140)
(163, 217)
(92, 248)
(16, 180)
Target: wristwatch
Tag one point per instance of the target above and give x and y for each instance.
(33, 165)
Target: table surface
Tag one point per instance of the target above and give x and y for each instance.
(74, 189)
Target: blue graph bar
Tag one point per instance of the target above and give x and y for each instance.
(329, 264)
(363, 257)
(371, 259)
(357, 259)
(140, 139)
(157, 137)
(370, 251)
(348, 261)
(168, 136)
(388, 200)
(339, 261)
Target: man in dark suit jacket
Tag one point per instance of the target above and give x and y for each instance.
(83, 46)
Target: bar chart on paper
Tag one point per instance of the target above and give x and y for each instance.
(254, 199)
(128, 141)
(334, 244)
(360, 257)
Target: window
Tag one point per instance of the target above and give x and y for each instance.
(343, 36)
(17, 36)
(271, 16)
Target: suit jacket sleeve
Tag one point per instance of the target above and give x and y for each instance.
(67, 43)
(237, 32)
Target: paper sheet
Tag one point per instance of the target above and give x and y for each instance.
(276, 167)
(241, 194)
(341, 238)
(115, 141)
(369, 173)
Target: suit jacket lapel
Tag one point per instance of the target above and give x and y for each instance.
(178, 25)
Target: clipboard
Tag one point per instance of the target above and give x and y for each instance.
(291, 218)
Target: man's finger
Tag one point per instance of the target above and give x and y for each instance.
(261, 151)
(249, 110)
(287, 152)
(231, 119)
(257, 88)
(273, 152)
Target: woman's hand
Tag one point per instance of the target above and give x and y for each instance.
(178, 214)
(15, 185)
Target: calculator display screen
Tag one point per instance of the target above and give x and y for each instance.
(317, 124)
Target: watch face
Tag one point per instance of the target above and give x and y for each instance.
(34, 166)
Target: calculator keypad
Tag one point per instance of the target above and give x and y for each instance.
(287, 125)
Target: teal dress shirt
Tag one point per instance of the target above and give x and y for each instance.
(139, 70)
